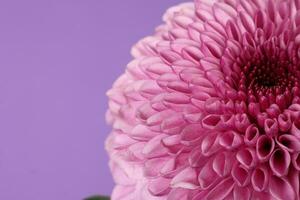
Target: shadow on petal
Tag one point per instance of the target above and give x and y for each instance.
(264, 147)
(289, 142)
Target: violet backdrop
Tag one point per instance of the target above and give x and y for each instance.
(57, 60)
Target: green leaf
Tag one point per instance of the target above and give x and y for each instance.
(97, 198)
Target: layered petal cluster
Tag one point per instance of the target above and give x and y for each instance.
(209, 109)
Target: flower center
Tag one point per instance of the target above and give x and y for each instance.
(269, 73)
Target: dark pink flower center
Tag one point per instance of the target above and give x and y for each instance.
(270, 79)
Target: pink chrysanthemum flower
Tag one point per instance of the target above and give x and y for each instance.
(210, 106)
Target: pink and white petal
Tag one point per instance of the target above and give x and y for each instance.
(187, 178)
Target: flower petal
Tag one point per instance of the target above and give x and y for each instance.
(264, 147)
(187, 178)
(260, 179)
(280, 188)
(280, 161)
(221, 190)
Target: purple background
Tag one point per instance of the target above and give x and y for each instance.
(57, 59)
